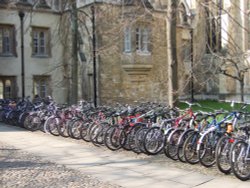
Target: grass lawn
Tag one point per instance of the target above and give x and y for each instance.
(211, 105)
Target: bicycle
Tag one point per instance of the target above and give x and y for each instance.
(240, 156)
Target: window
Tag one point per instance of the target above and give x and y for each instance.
(137, 38)
(7, 87)
(127, 39)
(42, 86)
(57, 5)
(183, 19)
(42, 4)
(40, 45)
(142, 40)
(6, 40)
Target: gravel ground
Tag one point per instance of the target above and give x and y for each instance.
(19, 169)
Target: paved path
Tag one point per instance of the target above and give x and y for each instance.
(110, 166)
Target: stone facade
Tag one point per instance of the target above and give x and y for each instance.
(131, 50)
(48, 65)
(132, 76)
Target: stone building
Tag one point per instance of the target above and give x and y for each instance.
(128, 43)
(236, 42)
(43, 70)
(132, 50)
(227, 48)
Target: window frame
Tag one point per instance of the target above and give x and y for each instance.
(11, 93)
(57, 5)
(42, 47)
(41, 86)
(11, 40)
(142, 41)
(127, 39)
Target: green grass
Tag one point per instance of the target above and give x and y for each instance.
(211, 105)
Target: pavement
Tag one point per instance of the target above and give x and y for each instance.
(114, 167)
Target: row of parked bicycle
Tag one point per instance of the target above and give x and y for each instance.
(210, 138)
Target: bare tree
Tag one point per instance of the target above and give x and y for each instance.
(231, 60)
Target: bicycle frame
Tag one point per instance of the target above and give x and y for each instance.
(217, 127)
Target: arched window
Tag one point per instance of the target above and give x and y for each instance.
(183, 18)
(42, 86)
(7, 87)
(212, 31)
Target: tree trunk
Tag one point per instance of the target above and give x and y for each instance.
(242, 90)
(169, 54)
(74, 71)
(172, 54)
(174, 51)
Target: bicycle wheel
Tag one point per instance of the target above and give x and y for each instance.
(63, 127)
(180, 149)
(84, 132)
(32, 122)
(240, 162)
(52, 126)
(46, 124)
(75, 129)
(94, 132)
(107, 138)
(153, 141)
(171, 149)
(206, 152)
(222, 154)
(22, 118)
(189, 148)
(139, 141)
(112, 138)
(101, 134)
(131, 136)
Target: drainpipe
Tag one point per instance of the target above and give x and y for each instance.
(94, 53)
(21, 15)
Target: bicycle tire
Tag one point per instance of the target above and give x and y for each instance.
(153, 141)
(131, 136)
(139, 141)
(75, 129)
(52, 126)
(84, 132)
(95, 130)
(207, 152)
(101, 134)
(190, 148)
(180, 149)
(222, 154)
(32, 122)
(238, 160)
(63, 127)
(171, 148)
(112, 137)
